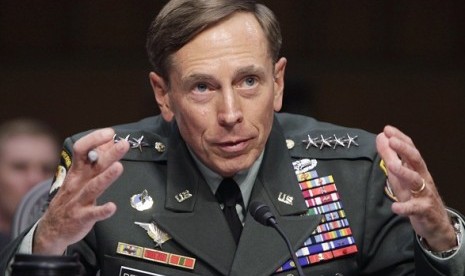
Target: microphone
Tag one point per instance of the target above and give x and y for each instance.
(262, 214)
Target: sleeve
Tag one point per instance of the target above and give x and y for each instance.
(450, 265)
(388, 244)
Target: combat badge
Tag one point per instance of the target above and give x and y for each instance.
(142, 201)
(157, 235)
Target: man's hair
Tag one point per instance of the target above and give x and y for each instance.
(27, 127)
(181, 20)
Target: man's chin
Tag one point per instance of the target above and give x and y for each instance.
(230, 167)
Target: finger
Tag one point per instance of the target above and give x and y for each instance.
(112, 154)
(101, 182)
(391, 131)
(413, 207)
(385, 150)
(410, 179)
(409, 155)
(89, 142)
(99, 213)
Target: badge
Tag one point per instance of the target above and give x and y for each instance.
(183, 196)
(59, 178)
(158, 236)
(142, 201)
(285, 198)
(160, 147)
(290, 144)
(126, 271)
(304, 165)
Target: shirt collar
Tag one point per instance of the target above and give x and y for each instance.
(245, 178)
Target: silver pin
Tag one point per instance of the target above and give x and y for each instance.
(142, 201)
(304, 165)
(310, 142)
(285, 198)
(290, 144)
(325, 142)
(160, 147)
(183, 196)
(154, 232)
(351, 140)
(338, 142)
(331, 142)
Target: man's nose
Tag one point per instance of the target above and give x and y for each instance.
(230, 110)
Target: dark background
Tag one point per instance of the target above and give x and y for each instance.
(82, 64)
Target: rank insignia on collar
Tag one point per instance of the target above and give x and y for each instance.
(183, 196)
(142, 201)
(154, 232)
(333, 142)
(134, 143)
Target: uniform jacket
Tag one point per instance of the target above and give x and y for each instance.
(185, 208)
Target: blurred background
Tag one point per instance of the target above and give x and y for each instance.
(82, 64)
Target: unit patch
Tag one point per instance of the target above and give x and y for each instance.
(66, 159)
(59, 178)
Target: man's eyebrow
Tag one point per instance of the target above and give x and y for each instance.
(247, 70)
(195, 77)
(250, 70)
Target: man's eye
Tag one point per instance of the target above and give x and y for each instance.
(250, 81)
(201, 87)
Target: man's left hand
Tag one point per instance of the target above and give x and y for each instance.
(412, 184)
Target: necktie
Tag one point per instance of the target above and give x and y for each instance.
(229, 194)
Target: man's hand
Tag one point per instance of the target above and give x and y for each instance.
(414, 187)
(73, 211)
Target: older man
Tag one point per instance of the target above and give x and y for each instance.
(179, 207)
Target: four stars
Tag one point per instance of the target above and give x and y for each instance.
(331, 142)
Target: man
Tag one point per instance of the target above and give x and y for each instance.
(218, 81)
(28, 155)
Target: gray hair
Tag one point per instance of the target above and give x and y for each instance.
(181, 20)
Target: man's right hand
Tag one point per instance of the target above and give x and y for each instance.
(73, 211)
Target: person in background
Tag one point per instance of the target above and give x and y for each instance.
(29, 153)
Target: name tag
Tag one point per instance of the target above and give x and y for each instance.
(127, 271)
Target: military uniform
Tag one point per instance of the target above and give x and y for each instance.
(324, 183)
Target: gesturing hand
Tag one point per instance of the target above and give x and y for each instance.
(415, 190)
(73, 211)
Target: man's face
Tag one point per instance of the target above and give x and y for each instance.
(224, 89)
(24, 162)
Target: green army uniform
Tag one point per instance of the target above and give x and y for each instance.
(366, 238)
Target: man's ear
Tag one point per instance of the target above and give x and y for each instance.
(279, 70)
(160, 90)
